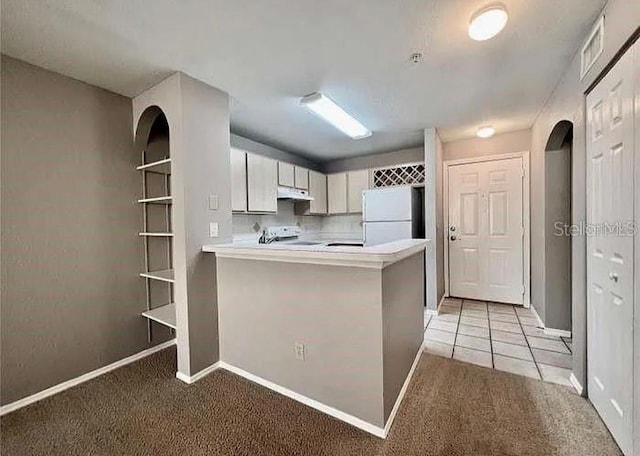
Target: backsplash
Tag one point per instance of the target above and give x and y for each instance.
(343, 225)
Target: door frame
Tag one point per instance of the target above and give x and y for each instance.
(526, 215)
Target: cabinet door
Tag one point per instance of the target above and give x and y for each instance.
(262, 184)
(285, 174)
(302, 178)
(318, 189)
(358, 181)
(238, 180)
(337, 193)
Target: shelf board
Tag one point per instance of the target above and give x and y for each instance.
(156, 234)
(165, 315)
(164, 275)
(160, 166)
(158, 200)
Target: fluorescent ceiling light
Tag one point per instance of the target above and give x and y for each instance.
(485, 132)
(325, 108)
(488, 22)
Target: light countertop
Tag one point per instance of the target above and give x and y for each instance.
(376, 257)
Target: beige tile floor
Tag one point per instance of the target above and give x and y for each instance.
(498, 336)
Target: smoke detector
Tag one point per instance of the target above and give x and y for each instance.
(416, 57)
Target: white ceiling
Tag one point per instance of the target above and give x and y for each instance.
(268, 53)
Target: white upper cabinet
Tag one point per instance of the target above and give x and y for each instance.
(262, 184)
(238, 180)
(286, 174)
(337, 193)
(301, 178)
(357, 182)
(318, 189)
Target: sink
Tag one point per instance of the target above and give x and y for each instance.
(345, 244)
(304, 243)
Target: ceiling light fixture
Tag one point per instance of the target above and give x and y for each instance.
(485, 132)
(329, 111)
(488, 22)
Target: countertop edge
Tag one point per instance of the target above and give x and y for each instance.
(335, 257)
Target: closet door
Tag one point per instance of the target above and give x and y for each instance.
(610, 249)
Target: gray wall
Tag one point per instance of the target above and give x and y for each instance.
(260, 323)
(402, 323)
(557, 311)
(373, 161)
(379, 325)
(255, 147)
(71, 255)
(567, 103)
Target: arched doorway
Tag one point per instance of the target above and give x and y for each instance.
(557, 313)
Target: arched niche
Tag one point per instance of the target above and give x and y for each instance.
(152, 128)
(558, 196)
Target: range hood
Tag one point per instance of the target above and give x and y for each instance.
(293, 194)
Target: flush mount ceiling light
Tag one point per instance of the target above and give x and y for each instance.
(485, 132)
(325, 108)
(488, 22)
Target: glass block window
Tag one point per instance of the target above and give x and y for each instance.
(409, 174)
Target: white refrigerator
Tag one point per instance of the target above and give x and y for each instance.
(392, 214)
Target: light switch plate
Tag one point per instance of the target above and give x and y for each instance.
(213, 202)
(213, 229)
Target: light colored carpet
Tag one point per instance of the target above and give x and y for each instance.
(450, 409)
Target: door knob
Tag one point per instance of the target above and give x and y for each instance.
(452, 228)
(453, 237)
(613, 276)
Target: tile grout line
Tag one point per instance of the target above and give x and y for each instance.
(566, 345)
(535, 363)
(455, 338)
(493, 364)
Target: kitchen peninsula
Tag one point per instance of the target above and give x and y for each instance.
(337, 328)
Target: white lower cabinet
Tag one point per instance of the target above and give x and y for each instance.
(262, 184)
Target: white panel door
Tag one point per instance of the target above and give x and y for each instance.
(486, 231)
(610, 189)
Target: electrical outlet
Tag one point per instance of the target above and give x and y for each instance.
(213, 229)
(299, 349)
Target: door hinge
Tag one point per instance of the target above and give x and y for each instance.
(522, 289)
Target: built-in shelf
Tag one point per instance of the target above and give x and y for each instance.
(164, 275)
(157, 200)
(148, 234)
(165, 315)
(160, 166)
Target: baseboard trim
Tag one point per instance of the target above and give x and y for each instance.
(576, 384)
(342, 416)
(403, 391)
(557, 332)
(189, 379)
(535, 314)
(82, 378)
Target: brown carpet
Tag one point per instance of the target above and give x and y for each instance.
(451, 408)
